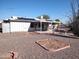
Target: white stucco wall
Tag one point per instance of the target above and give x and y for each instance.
(20, 26)
(5, 27)
(15, 27)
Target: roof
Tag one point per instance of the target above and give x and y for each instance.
(25, 20)
(56, 22)
(0, 21)
(21, 20)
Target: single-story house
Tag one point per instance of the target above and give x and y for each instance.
(63, 28)
(58, 26)
(21, 24)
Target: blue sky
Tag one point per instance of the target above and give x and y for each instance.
(33, 8)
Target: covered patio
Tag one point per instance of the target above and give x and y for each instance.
(39, 26)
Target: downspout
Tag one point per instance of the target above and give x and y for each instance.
(9, 26)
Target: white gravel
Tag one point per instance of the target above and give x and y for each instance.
(24, 44)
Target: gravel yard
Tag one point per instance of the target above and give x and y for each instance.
(24, 44)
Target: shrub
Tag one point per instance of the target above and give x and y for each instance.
(75, 26)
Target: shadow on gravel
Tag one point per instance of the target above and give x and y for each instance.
(74, 37)
(66, 36)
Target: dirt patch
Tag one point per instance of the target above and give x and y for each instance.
(53, 45)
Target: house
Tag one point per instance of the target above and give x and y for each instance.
(63, 28)
(60, 27)
(21, 24)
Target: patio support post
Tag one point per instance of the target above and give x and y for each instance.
(40, 26)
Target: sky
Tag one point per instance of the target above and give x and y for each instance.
(56, 9)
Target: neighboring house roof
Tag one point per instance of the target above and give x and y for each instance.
(56, 22)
